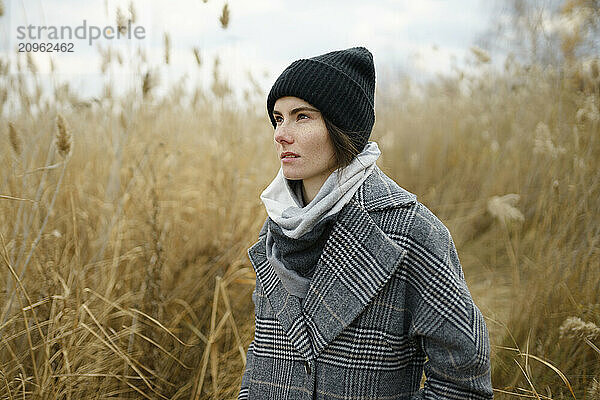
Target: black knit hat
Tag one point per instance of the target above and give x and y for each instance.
(341, 84)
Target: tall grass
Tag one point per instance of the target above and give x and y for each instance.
(129, 276)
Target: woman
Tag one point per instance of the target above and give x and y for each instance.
(359, 289)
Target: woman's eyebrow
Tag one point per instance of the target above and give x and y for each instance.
(297, 110)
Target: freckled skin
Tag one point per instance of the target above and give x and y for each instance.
(304, 133)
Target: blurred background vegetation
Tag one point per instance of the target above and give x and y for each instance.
(124, 220)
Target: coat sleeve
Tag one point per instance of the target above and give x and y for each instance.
(446, 323)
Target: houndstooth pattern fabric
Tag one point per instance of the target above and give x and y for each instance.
(388, 301)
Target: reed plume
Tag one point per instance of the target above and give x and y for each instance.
(503, 208)
(481, 55)
(224, 18)
(3, 96)
(13, 136)
(167, 41)
(121, 21)
(132, 13)
(63, 137)
(574, 327)
(31, 66)
(196, 51)
(119, 57)
(148, 83)
(543, 143)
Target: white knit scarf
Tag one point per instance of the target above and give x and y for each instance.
(293, 219)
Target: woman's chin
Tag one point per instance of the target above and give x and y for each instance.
(292, 175)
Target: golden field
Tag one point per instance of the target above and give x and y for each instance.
(125, 221)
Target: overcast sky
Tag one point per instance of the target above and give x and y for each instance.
(420, 38)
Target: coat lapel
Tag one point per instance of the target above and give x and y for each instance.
(287, 308)
(357, 261)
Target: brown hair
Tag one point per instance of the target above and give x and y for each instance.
(343, 146)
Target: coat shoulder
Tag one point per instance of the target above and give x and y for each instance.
(399, 214)
(429, 232)
(380, 192)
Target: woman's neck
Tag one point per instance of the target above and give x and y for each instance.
(311, 186)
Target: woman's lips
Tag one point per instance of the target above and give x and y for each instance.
(289, 159)
(288, 156)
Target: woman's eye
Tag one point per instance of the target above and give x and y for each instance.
(278, 119)
(302, 116)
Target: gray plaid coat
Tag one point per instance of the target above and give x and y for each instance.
(387, 302)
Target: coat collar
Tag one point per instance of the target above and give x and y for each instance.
(357, 261)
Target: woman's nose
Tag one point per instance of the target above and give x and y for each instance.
(283, 134)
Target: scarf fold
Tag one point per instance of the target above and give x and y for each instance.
(297, 233)
(295, 260)
(294, 219)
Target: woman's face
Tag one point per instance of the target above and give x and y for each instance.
(302, 141)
